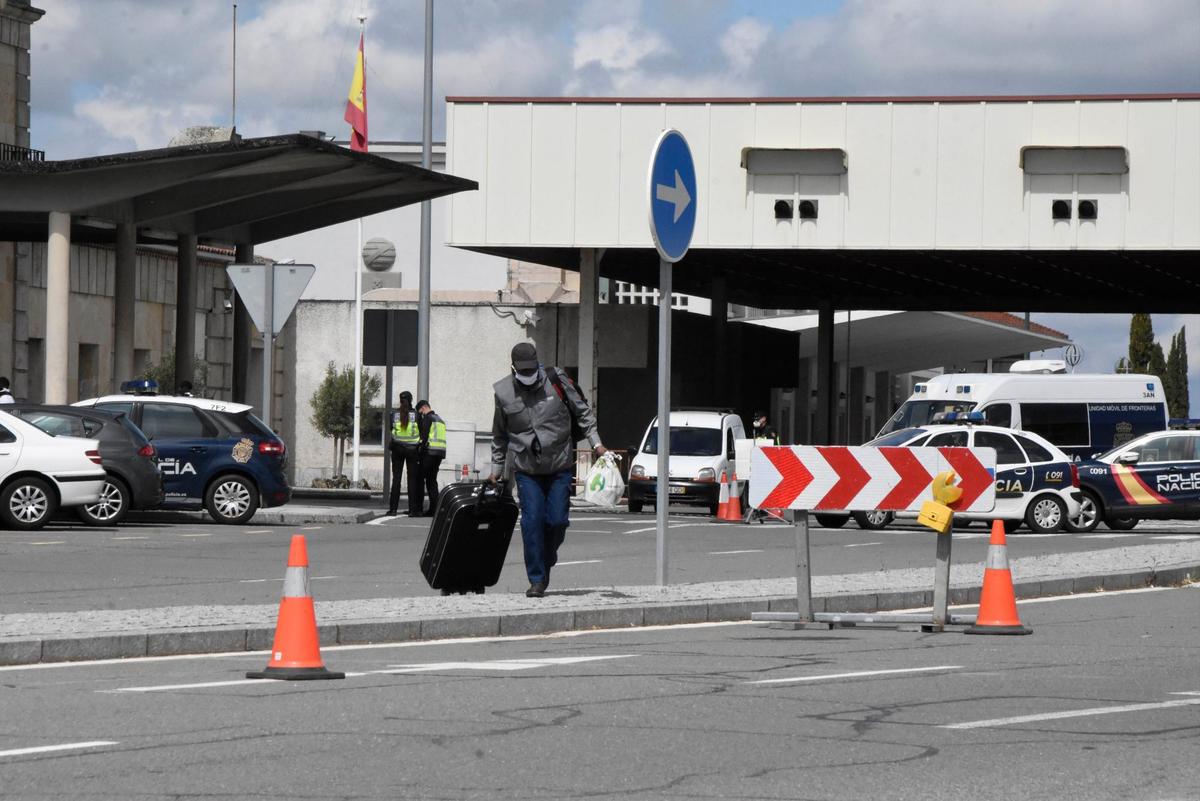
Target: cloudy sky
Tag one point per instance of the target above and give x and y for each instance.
(119, 75)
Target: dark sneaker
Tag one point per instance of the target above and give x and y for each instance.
(535, 591)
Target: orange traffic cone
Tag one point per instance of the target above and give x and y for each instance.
(296, 653)
(723, 498)
(732, 511)
(997, 602)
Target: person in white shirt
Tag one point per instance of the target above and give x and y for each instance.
(6, 395)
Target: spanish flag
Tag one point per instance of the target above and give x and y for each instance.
(356, 106)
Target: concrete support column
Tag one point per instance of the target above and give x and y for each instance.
(827, 391)
(243, 254)
(589, 290)
(720, 340)
(124, 305)
(803, 406)
(185, 310)
(58, 305)
(883, 398)
(856, 401)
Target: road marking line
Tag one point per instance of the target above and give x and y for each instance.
(318, 578)
(588, 531)
(259, 531)
(730, 553)
(654, 528)
(46, 749)
(857, 675)
(257, 581)
(159, 688)
(861, 544)
(47, 542)
(1107, 536)
(131, 538)
(499, 664)
(195, 535)
(580, 562)
(1178, 537)
(311, 528)
(1074, 713)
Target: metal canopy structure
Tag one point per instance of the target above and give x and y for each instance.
(1159, 281)
(244, 191)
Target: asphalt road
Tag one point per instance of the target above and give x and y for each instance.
(1101, 702)
(70, 567)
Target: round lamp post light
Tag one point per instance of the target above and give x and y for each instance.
(378, 254)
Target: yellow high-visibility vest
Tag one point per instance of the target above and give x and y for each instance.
(437, 437)
(404, 432)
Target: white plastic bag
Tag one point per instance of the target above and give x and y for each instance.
(604, 485)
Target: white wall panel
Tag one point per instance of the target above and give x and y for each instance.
(868, 196)
(827, 230)
(1108, 229)
(692, 120)
(1152, 174)
(959, 221)
(1054, 124)
(776, 125)
(508, 173)
(914, 175)
(553, 174)
(1186, 231)
(467, 144)
(1005, 217)
(1044, 230)
(768, 231)
(729, 217)
(640, 127)
(597, 175)
(823, 125)
(1102, 124)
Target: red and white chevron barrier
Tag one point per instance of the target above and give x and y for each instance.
(863, 478)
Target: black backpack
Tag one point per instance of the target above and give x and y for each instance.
(577, 432)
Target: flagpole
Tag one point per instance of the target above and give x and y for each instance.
(358, 344)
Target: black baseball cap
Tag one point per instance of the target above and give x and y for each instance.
(524, 356)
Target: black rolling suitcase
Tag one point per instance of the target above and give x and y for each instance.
(469, 536)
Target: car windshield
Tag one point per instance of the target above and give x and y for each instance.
(896, 438)
(921, 412)
(687, 441)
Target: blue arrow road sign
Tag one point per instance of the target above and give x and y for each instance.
(672, 195)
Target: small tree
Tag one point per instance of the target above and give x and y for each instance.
(1175, 382)
(1141, 343)
(164, 374)
(333, 408)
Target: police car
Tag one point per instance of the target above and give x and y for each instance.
(1036, 483)
(1154, 476)
(214, 455)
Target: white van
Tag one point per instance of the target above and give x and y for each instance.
(701, 450)
(1082, 413)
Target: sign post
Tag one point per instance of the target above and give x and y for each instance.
(672, 192)
(866, 478)
(269, 293)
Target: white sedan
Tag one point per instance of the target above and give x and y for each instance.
(40, 473)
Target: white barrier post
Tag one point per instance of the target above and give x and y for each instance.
(941, 581)
(804, 612)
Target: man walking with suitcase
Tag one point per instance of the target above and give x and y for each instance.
(536, 409)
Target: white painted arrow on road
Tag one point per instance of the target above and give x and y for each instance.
(677, 195)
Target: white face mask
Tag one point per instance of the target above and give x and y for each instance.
(527, 380)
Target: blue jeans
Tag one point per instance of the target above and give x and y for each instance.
(545, 503)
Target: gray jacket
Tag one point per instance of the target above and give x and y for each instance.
(533, 426)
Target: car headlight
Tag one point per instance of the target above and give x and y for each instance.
(706, 474)
(637, 471)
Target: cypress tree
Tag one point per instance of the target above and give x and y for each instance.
(1171, 380)
(1141, 343)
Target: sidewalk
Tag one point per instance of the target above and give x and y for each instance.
(103, 634)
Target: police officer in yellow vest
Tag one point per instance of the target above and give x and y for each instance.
(405, 452)
(433, 450)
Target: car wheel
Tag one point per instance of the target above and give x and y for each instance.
(832, 521)
(27, 503)
(1011, 525)
(1089, 515)
(635, 507)
(1120, 523)
(112, 507)
(231, 499)
(874, 520)
(1047, 513)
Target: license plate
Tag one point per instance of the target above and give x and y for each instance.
(677, 490)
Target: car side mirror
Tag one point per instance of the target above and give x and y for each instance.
(1129, 457)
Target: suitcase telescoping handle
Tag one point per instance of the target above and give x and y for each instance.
(490, 493)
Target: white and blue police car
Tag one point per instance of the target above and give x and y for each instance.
(214, 454)
(1036, 483)
(1155, 476)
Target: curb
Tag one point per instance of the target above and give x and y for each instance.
(224, 639)
(280, 516)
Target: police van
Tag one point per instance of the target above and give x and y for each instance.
(1082, 413)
